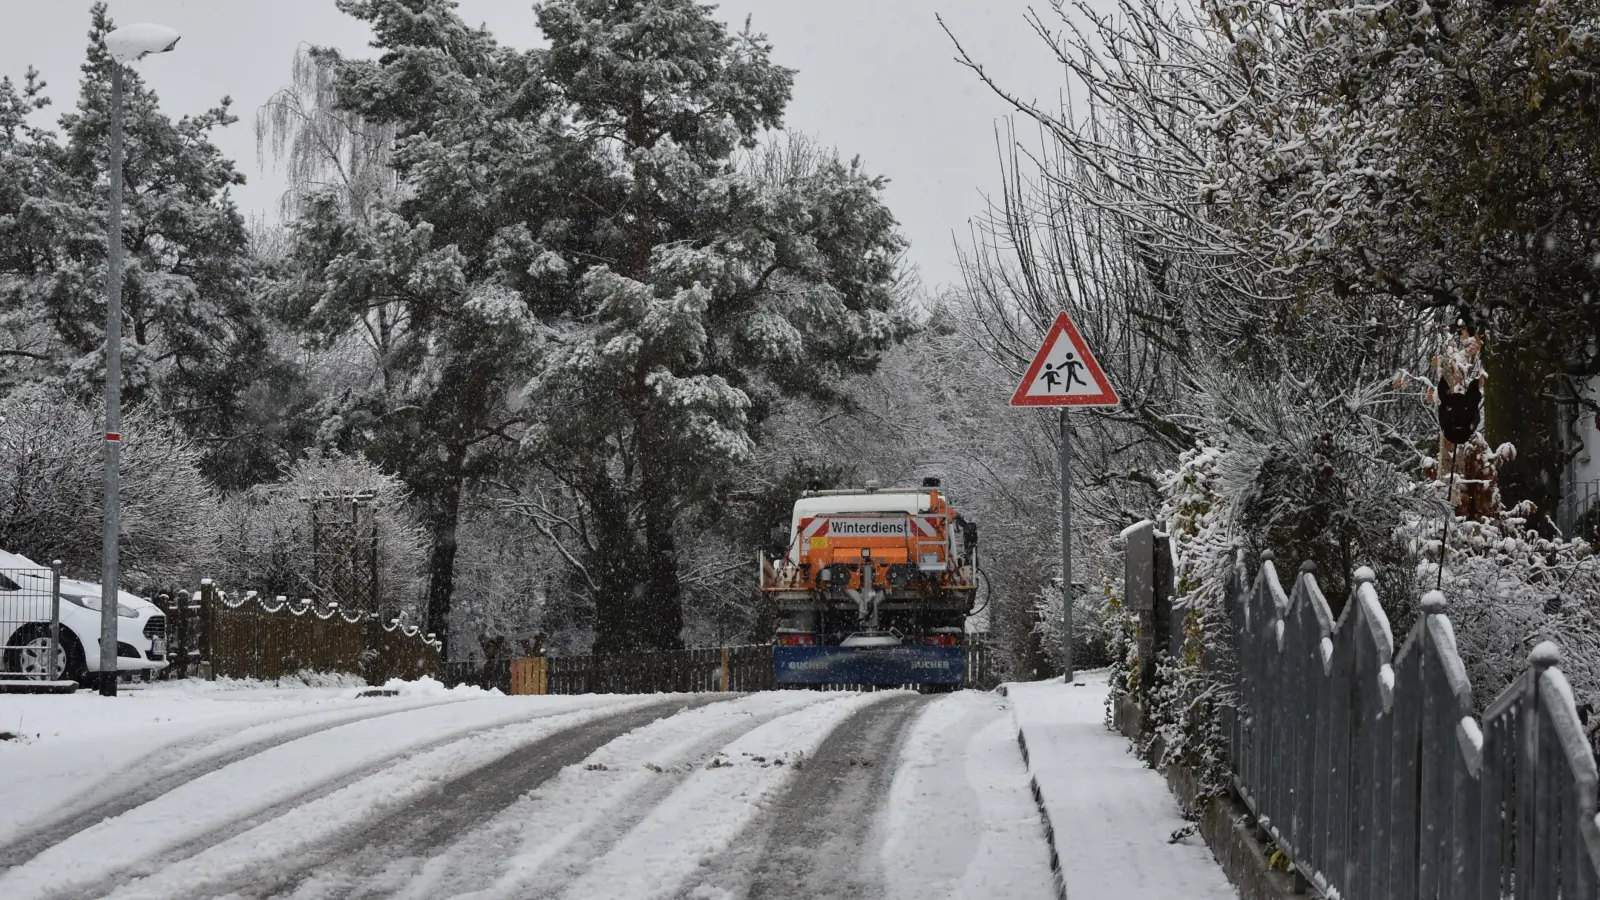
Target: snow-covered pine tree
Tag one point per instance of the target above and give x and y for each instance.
(28, 182)
(193, 342)
(717, 288)
(410, 290)
(579, 221)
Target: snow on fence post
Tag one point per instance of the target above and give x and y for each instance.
(1366, 763)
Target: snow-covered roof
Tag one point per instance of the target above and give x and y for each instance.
(883, 501)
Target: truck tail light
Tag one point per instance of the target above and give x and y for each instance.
(942, 640)
(797, 640)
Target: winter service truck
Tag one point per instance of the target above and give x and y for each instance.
(873, 588)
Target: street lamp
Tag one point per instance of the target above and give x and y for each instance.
(127, 44)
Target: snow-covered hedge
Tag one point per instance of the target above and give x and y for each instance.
(1509, 588)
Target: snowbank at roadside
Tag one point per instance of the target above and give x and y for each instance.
(960, 820)
(428, 687)
(1113, 817)
(197, 687)
(147, 710)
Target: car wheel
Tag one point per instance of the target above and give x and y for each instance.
(29, 655)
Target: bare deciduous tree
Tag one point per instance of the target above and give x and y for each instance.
(51, 483)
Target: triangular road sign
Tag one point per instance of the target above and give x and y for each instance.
(1064, 372)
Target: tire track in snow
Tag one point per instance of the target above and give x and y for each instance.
(226, 802)
(383, 856)
(696, 825)
(820, 838)
(549, 838)
(209, 751)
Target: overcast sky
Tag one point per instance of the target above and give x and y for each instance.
(876, 79)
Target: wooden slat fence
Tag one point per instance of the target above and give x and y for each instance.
(491, 675)
(741, 668)
(211, 633)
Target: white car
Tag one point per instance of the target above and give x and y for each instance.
(25, 626)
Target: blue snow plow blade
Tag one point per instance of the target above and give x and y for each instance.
(869, 665)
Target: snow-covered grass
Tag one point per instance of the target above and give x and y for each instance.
(960, 821)
(1113, 817)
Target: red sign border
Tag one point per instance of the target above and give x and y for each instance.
(1106, 397)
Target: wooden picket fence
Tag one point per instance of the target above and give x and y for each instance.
(210, 634)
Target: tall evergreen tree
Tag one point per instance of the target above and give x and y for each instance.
(193, 343)
(717, 287)
(29, 181)
(420, 273)
(579, 222)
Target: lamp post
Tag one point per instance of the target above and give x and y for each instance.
(125, 45)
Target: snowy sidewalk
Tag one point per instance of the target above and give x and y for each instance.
(1112, 816)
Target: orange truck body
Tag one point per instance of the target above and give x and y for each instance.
(919, 551)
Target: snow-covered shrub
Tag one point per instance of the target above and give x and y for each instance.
(52, 477)
(1095, 622)
(268, 543)
(1510, 588)
(1321, 475)
(1182, 705)
(503, 577)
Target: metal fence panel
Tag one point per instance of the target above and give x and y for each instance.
(1368, 765)
(30, 624)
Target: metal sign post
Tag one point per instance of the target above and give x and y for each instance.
(1066, 548)
(111, 522)
(127, 44)
(1065, 374)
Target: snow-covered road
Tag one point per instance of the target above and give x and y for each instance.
(318, 793)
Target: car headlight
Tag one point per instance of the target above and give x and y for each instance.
(93, 603)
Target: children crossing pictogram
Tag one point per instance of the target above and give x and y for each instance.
(1064, 372)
